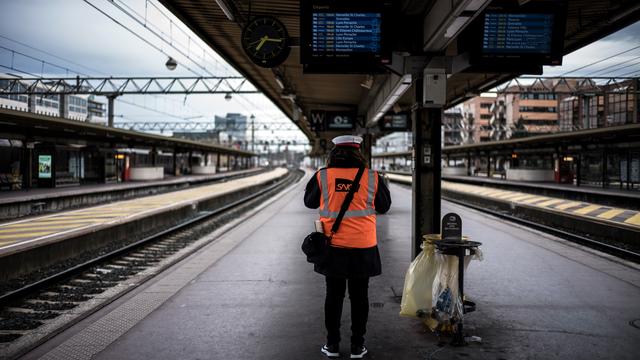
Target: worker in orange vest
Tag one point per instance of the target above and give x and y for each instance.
(354, 256)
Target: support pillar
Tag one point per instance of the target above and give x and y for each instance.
(217, 163)
(578, 170)
(110, 100)
(489, 165)
(175, 162)
(367, 144)
(426, 189)
(154, 156)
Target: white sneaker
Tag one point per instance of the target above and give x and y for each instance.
(358, 352)
(332, 351)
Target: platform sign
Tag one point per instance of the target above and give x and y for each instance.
(322, 120)
(44, 166)
(346, 36)
(517, 33)
(451, 227)
(395, 122)
(508, 36)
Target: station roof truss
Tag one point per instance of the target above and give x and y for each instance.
(109, 86)
(26, 126)
(219, 24)
(567, 85)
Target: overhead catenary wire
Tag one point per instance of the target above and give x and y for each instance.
(36, 59)
(172, 43)
(162, 51)
(136, 34)
(55, 56)
(599, 61)
(615, 67)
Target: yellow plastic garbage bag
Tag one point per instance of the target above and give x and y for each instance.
(418, 281)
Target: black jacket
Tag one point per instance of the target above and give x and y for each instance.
(350, 263)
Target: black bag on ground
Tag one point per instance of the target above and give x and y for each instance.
(317, 246)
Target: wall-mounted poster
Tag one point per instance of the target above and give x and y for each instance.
(44, 166)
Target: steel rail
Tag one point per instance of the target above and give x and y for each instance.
(30, 288)
(599, 245)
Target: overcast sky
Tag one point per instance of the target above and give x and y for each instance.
(74, 30)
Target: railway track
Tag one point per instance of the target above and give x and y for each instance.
(41, 309)
(580, 239)
(524, 216)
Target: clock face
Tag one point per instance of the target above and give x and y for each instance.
(265, 41)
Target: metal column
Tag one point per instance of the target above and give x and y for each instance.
(110, 100)
(367, 144)
(427, 154)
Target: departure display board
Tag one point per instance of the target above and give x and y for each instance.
(395, 122)
(517, 33)
(335, 34)
(344, 36)
(510, 37)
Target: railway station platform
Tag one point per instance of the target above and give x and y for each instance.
(37, 201)
(608, 196)
(251, 294)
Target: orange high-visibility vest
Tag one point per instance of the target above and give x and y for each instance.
(358, 227)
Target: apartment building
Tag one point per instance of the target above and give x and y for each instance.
(476, 119)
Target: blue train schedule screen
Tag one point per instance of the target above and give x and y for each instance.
(517, 33)
(342, 33)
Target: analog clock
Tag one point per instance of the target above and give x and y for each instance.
(265, 41)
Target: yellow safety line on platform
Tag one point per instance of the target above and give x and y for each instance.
(534, 199)
(38, 226)
(522, 197)
(634, 220)
(563, 205)
(51, 222)
(570, 204)
(610, 214)
(550, 202)
(76, 220)
(25, 235)
(511, 196)
(587, 209)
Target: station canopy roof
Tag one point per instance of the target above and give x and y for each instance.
(587, 21)
(27, 126)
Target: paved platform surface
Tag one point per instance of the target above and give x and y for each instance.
(17, 196)
(251, 295)
(20, 233)
(606, 214)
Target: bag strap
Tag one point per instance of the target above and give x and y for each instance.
(347, 201)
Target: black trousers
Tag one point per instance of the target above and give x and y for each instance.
(359, 298)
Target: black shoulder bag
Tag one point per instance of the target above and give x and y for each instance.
(317, 245)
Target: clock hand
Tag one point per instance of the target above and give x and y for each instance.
(274, 40)
(262, 41)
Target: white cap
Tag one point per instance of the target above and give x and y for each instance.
(347, 140)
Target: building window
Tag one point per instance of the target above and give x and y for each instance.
(50, 101)
(547, 109)
(485, 105)
(485, 116)
(77, 104)
(538, 96)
